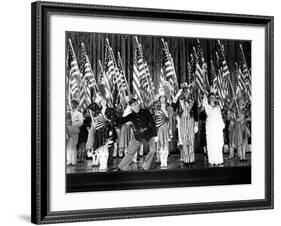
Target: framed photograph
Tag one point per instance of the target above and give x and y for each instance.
(149, 112)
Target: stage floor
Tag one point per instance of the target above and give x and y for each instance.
(201, 161)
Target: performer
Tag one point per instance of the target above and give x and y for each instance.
(104, 134)
(202, 129)
(164, 132)
(83, 136)
(73, 131)
(239, 131)
(144, 131)
(126, 131)
(183, 104)
(214, 130)
(248, 124)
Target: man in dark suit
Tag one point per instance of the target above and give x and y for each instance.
(145, 132)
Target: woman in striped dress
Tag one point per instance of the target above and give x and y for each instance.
(183, 104)
(162, 120)
(104, 135)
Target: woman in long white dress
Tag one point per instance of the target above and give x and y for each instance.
(214, 130)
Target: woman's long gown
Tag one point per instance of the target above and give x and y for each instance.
(214, 133)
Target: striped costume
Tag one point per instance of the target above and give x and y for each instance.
(186, 124)
(162, 121)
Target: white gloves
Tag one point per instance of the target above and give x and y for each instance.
(195, 129)
(177, 96)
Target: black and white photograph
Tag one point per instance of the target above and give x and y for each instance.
(149, 112)
(146, 111)
(140, 112)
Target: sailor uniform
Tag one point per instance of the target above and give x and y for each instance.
(144, 132)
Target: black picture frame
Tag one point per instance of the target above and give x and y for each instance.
(40, 208)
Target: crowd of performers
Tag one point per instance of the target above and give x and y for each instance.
(138, 131)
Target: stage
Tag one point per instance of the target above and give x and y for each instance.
(84, 177)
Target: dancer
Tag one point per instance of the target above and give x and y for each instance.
(83, 136)
(126, 131)
(144, 131)
(239, 131)
(183, 104)
(164, 132)
(214, 130)
(104, 134)
(73, 130)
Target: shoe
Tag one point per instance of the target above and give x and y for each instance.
(116, 169)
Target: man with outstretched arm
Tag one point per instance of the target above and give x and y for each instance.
(145, 132)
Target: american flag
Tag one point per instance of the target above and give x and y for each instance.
(121, 78)
(136, 84)
(73, 69)
(213, 72)
(168, 68)
(219, 88)
(162, 79)
(110, 66)
(148, 74)
(217, 82)
(143, 78)
(202, 63)
(222, 62)
(215, 87)
(199, 51)
(244, 69)
(192, 64)
(244, 66)
(189, 74)
(224, 70)
(85, 94)
(199, 73)
(241, 83)
(87, 72)
(103, 80)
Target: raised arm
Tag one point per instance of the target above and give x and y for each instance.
(123, 120)
(175, 98)
(205, 104)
